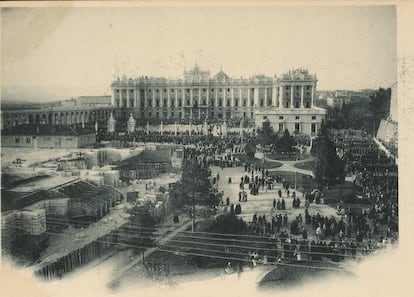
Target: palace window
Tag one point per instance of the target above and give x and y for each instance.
(313, 117)
(165, 90)
(16, 140)
(308, 87)
(165, 102)
(172, 90)
(228, 102)
(281, 127)
(157, 91)
(280, 117)
(297, 126)
(313, 128)
(296, 117)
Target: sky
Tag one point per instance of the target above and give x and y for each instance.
(59, 53)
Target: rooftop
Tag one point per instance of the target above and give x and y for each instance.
(145, 156)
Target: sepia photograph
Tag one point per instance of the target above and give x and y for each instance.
(233, 149)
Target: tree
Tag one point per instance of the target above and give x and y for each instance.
(380, 104)
(193, 189)
(141, 216)
(266, 136)
(250, 150)
(286, 143)
(329, 169)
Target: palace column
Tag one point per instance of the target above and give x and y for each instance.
(153, 98)
(113, 97)
(120, 97)
(136, 98)
(248, 97)
(313, 95)
(191, 103)
(291, 96)
(176, 97)
(224, 103)
(208, 101)
(281, 91)
(168, 103)
(199, 103)
(273, 96)
(256, 97)
(302, 88)
(232, 102)
(145, 97)
(128, 94)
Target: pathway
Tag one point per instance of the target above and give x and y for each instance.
(263, 203)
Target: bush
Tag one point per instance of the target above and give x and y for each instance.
(228, 224)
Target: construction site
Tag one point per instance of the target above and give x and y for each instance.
(64, 208)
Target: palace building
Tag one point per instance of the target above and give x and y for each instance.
(286, 101)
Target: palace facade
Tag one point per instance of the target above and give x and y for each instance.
(286, 101)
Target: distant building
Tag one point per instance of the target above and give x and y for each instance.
(47, 136)
(147, 164)
(93, 101)
(338, 99)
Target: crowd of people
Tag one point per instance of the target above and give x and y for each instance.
(308, 234)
